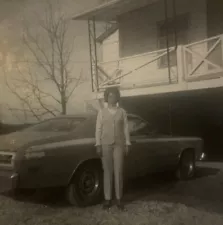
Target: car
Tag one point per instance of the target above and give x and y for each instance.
(60, 152)
(9, 128)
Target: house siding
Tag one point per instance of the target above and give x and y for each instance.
(110, 47)
(138, 29)
(138, 36)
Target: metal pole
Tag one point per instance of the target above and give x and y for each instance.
(170, 117)
(175, 31)
(90, 51)
(167, 39)
(95, 55)
(175, 22)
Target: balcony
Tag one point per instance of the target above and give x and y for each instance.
(194, 63)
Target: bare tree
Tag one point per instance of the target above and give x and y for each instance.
(48, 66)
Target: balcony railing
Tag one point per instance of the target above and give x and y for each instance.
(196, 61)
(203, 59)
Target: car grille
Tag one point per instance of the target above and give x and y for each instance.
(6, 158)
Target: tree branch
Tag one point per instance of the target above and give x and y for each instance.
(49, 61)
(78, 81)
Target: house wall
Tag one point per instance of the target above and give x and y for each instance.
(136, 42)
(110, 47)
(138, 29)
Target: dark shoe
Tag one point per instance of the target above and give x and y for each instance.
(107, 205)
(120, 205)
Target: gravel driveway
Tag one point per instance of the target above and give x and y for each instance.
(151, 200)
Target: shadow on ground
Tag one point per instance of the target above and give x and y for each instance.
(204, 191)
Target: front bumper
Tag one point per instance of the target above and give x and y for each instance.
(8, 181)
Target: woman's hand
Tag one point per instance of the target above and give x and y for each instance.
(99, 150)
(127, 147)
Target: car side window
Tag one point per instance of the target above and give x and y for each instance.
(61, 125)
(136, 126)
(86, 129)
(41, 127)
(75, 123)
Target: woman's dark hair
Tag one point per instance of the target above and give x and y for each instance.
(112, 90)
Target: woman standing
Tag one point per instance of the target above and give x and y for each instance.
(112, 141)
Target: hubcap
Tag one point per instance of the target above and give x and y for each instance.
(88, 184)
(188, 165)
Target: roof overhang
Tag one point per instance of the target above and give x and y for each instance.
(109, 11)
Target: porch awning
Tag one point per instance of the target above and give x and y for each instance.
(109, 11)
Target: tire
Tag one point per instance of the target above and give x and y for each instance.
(86, 187)
(186, 168)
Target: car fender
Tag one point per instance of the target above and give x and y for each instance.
(194, 145)
(81, 163)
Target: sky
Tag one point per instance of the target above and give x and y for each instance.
(12, 16)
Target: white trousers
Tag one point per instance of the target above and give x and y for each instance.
(113, 162)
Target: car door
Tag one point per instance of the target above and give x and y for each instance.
(166, 150)
(141, 158)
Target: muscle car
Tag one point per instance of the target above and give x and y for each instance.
(60, 152)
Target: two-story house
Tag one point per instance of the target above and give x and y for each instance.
(153, 49)
(156, 46)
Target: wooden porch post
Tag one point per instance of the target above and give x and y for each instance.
(222, 49)
(180, 65)
(101, 103)
(167, 38)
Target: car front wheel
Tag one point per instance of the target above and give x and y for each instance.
(186, 167)
(86, 187)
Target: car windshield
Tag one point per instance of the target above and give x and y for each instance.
(56, 125)
(137, 126)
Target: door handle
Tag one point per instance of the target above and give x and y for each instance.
(133, 142)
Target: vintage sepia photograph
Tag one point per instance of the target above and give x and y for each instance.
(111, 112)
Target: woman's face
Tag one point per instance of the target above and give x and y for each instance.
(112, 99)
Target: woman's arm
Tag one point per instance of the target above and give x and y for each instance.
(98, 128)
(126, 128)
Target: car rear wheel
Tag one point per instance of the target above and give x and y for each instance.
(86, 187)
(186, 167)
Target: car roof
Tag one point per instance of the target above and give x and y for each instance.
(91, 116)
(80, 115)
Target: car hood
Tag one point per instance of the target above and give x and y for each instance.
(15, 140)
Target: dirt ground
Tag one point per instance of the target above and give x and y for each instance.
(151, 200)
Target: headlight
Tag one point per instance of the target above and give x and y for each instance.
(31, 153)
(7, 158)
